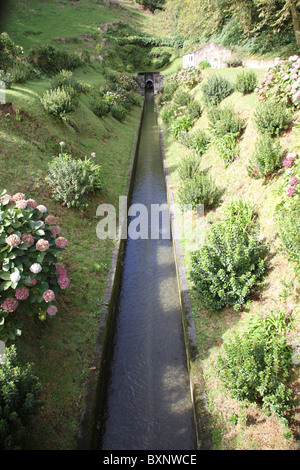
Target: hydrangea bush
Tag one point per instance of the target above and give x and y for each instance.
(30, 272)
(282, 82)
(188, 78)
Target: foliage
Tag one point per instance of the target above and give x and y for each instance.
(19, 400)
(65, 79)
(246, 81)
(282, 82)
(241, 212)
(60, 101)
(266, 158)
(100, 107)
(9, 52)
(199, 190)
(272, 117)
(22, 72)
(182, 123)
(228, 266)
(188, 166)
(29, 251)
(224, 120)
(51, 60)
(255, 365)
(152, 5)
(227, 147)
(72, 180)
(181, 97)
(194, 109)
(288, 212)
(118, 112)
(196, 140)
(6, 78)
(188, 78)
(215, 89)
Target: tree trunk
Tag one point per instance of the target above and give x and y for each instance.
(293, 7)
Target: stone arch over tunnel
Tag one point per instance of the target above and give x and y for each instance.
(149, 80)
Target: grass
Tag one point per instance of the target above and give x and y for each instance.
(253, 429)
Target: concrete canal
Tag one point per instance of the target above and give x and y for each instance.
(148, 403)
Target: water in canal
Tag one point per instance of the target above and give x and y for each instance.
(148, 400)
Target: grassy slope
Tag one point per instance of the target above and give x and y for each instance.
(254, 430)
(61, 348)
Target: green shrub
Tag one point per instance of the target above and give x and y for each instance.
(240, 212)
(198, 190)
(289, 232)
(246, 81)
(22, 72)
(197, 141)
(6, 78)
(215, 89)
(168, 112)
(182, 123)
(271, 117)
(228, 266)
(266, 158)
(204, 64)
(19, 400)
(182, 97)
(65, 79)
(194, 109)
(72, 180)
(227, 147)
(255, 367)
(100, 107)
(118, 112)
(188, 166)
(59, 101)
(52, 60)
(225, 120)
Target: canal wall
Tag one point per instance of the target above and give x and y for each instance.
(89, 428)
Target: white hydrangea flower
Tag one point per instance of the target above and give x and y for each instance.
(35, 268)
(15, 277)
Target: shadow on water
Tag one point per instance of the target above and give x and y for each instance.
(149, 404)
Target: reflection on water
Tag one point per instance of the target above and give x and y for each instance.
(148, 403)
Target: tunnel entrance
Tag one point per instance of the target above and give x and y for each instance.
(150, 80)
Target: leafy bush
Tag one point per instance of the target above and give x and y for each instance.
(181, 97)
(60, 101)
(65, 79)
(200, 189)
(255, 366)
(29, 253)
(71, 180)
(272, 117)
(196, 140)
(100, 107)
(6, 78)
(240, 212)
(215, 89)
(22, 72)
(9, 51)
(118, 112)
(188, 78)
(227, 147)
(168, 112)
(225, 120)
(19, 400)
(188, 166)
(194, 109)
(266, 158)
(228, 266)
(246, 81)
(281, 82)
(51, 60)
(182, 123)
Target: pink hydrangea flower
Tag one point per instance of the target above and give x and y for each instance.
(32, 282)
(52, 310)
(10, 305)
(27, 238)
(41, 208)
(63, 282)
(22, 294)
(50, 219)
(293, 181)
(49, 295)
(21, 204)
(61, 242)
(60, 269)
(291, 190)
(18, 197)
(42, 245)
(55, 229)
(31, 203)
(13, 240)
(5, 196)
